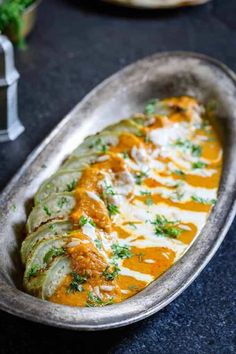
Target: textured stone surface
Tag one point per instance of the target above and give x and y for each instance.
(73, 48)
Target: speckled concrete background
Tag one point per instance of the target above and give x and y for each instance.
(73, 48)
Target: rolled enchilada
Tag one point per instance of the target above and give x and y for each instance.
(125, 206)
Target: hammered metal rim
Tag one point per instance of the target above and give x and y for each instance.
(156, 4)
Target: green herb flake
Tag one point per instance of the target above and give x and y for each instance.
(139, 177)
(47, 211)
(198, 164)
(76, 283)
(188, 146)
(133, 225)
(165, 227)
(121, 252)
(177, 196)
(145, 193)
(98, 244)
(108, 189)
(53, 252)
(95, 301)
(196, 150)
(179, 173)
(104, 148)
(201, 200)
(125, 154)
(112, 209)
(147, 139)
(140, 134)
(149, 201)
(100, 145)
(151, 107)
(85, 220)
(33, 271)
(110, 273)
(62, 201)
(71, 186)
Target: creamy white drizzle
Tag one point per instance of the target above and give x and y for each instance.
(137, 275)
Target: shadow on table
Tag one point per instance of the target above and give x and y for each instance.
(29, 337)
(97, 6)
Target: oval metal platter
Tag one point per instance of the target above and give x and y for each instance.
(162, 75)
(156, 4)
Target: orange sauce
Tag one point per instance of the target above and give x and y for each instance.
(150, 261)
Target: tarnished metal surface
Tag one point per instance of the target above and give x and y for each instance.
(121, 95)
(157, 4)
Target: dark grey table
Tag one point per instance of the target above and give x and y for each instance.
(76, 45)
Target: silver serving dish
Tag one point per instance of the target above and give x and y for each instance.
(124, 93)
(157, 4)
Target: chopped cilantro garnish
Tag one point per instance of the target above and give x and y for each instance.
(149, 201)
(100, 145)
(108, 189)
(177, 195)
(201, 200)
(112, 209)
(110, 273)
(198, 164)
(33, 271)
(150, 107)
(77, 281)
(187, 145)
(179, 173)
(140, 134)
(62, 201)
(53, 252)
(94, 300)
(85, 220)
(165, 227)
(147, 139)
(132, 224)
(47, 211)
(104, 148)
(125, 154)
(145, 193)
(71, 186)
(139, 176)
(98, 244)
(121, 252)
(196, 150)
